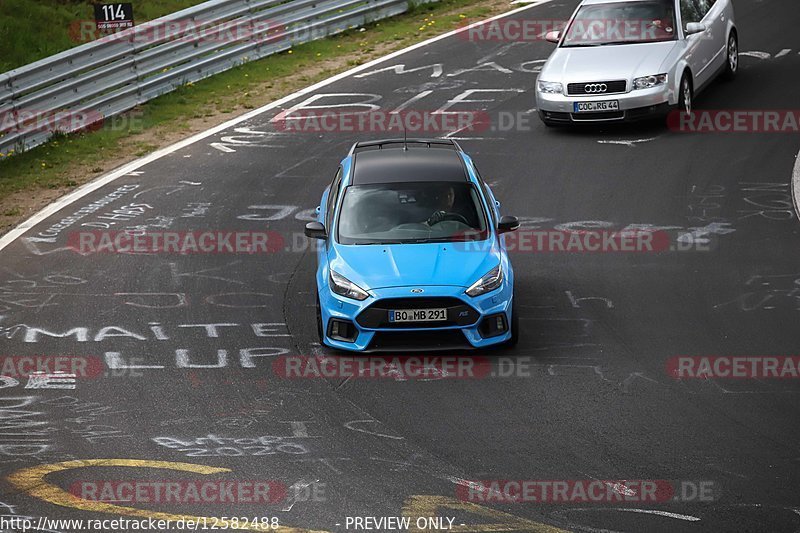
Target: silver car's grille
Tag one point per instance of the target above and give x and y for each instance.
(597, 87)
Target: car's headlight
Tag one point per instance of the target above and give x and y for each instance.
(487, 283)
(344, 287)
(550, 87)
(646, 82)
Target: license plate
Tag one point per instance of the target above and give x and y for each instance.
(418, 315)
(606, 105)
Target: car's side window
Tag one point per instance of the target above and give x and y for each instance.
(690, 12)
(487, 195)
(333, 195)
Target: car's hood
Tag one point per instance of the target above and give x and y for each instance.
(603, 63)
(403, 265)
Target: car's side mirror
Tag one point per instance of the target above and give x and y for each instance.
(315, 230)
(695, 27)
(552, 36)
(507, 224)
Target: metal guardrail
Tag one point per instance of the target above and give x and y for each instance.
(113, 74)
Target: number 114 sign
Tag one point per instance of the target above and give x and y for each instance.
(113, 16)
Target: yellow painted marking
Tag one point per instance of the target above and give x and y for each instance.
(428, 506)
(31, 481)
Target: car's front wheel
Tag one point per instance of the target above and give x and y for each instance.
(686, 97)
(732, 64)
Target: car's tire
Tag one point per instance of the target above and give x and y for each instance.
(319, 324)
(732, 57)
(686, 96)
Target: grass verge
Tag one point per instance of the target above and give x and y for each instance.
(30, 180)
(34, 29)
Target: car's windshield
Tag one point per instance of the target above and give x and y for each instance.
(643, 21)
(394, 213)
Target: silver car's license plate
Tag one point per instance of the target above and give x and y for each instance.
(605, 105)
(418, 315)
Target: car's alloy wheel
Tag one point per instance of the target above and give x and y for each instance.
(732, 66)
(685, 101)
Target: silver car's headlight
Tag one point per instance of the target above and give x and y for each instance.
(487, 283)
(647, 82)
(550, 87)
(344, 287)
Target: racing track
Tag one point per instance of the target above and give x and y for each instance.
(598, 328)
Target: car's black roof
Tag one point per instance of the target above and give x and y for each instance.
(418, 163)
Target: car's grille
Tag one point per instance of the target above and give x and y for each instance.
(415, 341)
(458, 312)
(599, 115)
(591, 88)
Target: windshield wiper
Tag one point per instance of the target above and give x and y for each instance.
(437, 239)
(621, 42)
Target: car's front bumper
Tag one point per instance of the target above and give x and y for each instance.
(633, 105)
(373, 333)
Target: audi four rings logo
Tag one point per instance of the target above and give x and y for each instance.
(417, 291)
(595, 87)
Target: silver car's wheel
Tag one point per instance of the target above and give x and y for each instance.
(685, 102)
(732, 66)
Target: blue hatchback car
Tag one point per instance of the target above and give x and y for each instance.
(413, 254)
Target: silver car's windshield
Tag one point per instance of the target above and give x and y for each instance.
(644, 21)
(396, 213)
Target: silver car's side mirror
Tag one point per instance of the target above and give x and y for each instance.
(552, 36)
(695, 27)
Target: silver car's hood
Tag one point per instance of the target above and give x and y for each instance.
(610, 62)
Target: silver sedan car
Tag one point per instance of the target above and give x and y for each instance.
(630, 59)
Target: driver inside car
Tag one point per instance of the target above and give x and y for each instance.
(444, 202)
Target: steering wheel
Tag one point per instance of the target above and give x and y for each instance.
(455, 217)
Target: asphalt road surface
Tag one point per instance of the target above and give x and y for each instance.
(179, 356)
